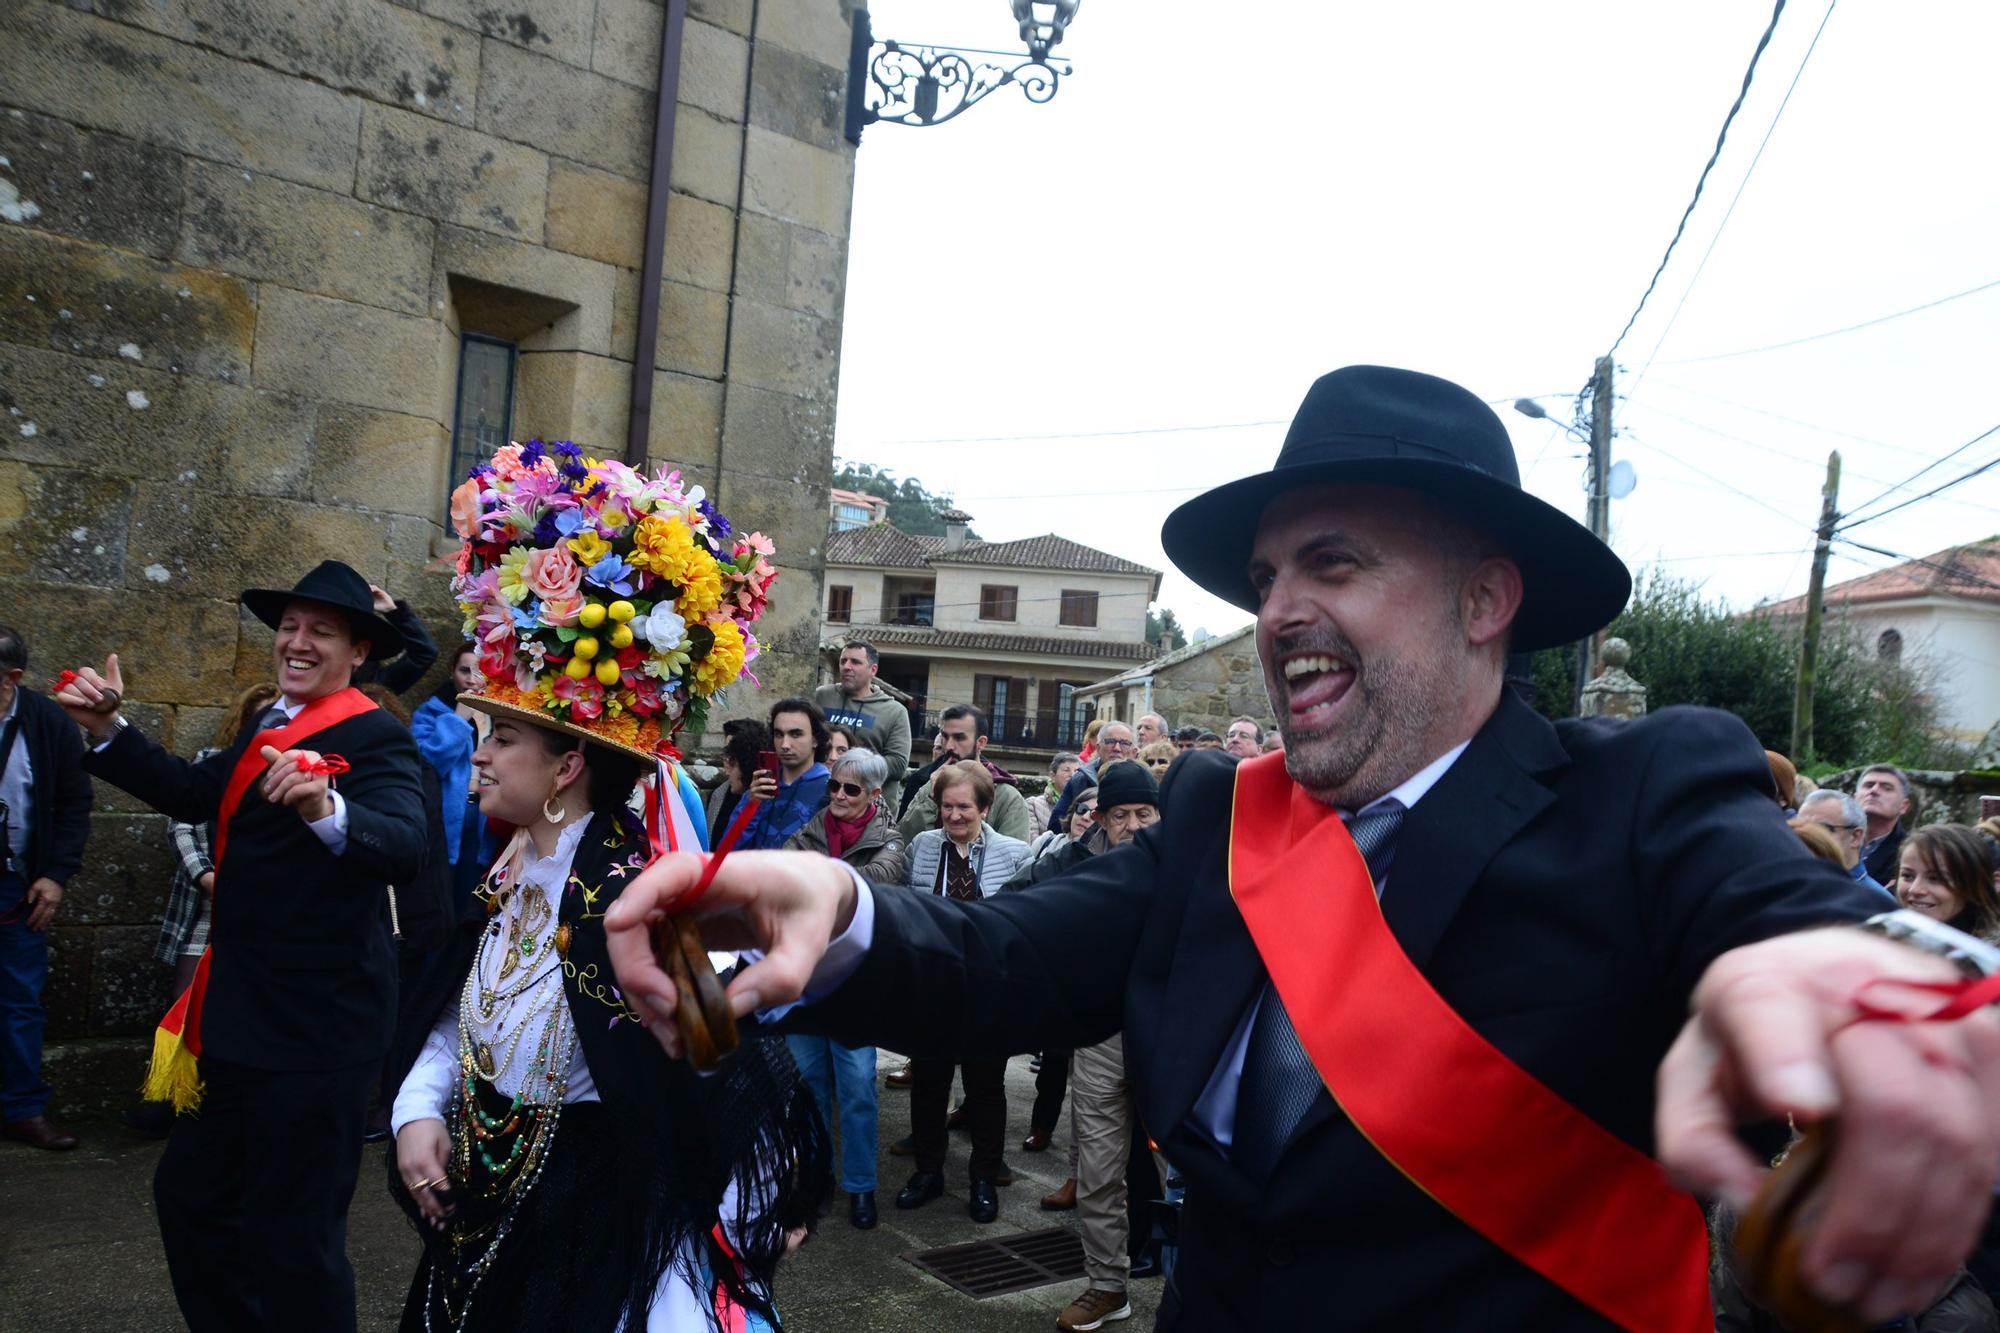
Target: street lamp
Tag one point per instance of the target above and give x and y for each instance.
(908, 84)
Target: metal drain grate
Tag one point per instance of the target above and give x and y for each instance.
(1013, 1263)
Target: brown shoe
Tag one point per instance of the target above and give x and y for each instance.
(38, 1131)
(900, 1078)
(1063, 1199)
(1094, 1309)
(1037, 1141)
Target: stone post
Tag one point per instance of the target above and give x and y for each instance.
(1614, 693)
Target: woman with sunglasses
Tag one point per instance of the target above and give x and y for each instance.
(858, 828)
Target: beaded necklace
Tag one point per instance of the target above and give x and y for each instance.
(502, 1156)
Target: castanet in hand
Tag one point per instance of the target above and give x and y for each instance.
(1772, 1235)
(708, 1028)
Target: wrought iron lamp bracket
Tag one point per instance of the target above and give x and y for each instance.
(903, 84)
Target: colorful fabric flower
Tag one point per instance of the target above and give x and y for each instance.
(613, 575)
(662, 627)
(513, 583)
(553, 574)
(585, 697)
(665, 546)
(701, 588)
(723, 662)
(588, 547)
(465, 508)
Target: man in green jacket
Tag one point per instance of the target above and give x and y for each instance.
(963, 730)
(859, 702)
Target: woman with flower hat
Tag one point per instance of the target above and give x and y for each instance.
(564, 1174)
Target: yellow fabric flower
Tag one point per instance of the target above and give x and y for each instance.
(588, 547)
(513, 580)
(701, 587)
(665, 546)
(724, 662)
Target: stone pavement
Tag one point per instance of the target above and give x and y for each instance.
(80, 1253)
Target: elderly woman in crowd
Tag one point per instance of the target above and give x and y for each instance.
(1158, 757)
(1079, 821)
(1061, 769)
(858, 827)
(1946, 872)
(964, 858)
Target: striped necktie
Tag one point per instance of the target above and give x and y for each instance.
(1279, 1083)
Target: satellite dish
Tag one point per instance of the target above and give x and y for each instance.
(1621, 480)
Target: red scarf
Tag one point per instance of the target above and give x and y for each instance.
(1510, 1159)
(174, 1075)
(842, 834)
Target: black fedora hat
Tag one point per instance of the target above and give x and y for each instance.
(1388, 427)
(333, 584)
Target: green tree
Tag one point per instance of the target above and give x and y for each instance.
(1689, 650)
(1161, 620)
(912, 508)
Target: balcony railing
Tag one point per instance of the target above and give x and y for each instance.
(1043, 729)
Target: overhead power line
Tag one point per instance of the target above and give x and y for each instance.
(1835, 333)
(1960, 480)
(1855, 516)
(1736, 198)
(1688, 212)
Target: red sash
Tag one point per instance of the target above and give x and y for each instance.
(177, 1040)
(1511, 1159)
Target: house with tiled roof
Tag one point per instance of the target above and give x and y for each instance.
(1940, 611)
(1015, 627)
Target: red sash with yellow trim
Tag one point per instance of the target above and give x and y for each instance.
(1515, 1162)
(174, 1074)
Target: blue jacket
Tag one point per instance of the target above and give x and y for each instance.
(787, 812)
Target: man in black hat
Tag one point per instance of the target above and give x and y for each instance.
(317, 810)
(1394, 1001)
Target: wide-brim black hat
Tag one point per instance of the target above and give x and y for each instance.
(1388, 427)
(333, 584)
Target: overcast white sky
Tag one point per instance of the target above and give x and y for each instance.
(1227, 200)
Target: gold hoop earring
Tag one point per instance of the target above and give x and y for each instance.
(553, 810)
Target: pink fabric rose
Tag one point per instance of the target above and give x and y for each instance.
(507, 462)
(553, 574)
(561, 612)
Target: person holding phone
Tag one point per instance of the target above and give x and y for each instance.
(790, 782)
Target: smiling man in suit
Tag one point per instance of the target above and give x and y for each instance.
(317, 809)
(1394, 1000)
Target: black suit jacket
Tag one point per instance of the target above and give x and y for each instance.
(59, 810)
(1563, 887)
(1884, 862)
(304, 971)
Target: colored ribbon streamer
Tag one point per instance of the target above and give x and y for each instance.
(326, 766)
(1965, 996)
(729, 839)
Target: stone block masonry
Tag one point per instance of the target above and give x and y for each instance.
(242, 249)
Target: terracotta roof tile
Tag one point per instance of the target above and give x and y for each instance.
(1971, 572)
(1045, 552)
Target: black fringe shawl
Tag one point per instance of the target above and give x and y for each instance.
(680, 1139)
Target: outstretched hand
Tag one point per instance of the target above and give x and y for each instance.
(1773, 1034)
(297, 778)
(789, 904)
(91, 698)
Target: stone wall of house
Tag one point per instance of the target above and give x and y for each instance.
(1208, 689)
(239, 246)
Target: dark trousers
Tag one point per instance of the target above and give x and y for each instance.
(252, 1194)
(1051, 1085)
(24, 970)
(985, 1112)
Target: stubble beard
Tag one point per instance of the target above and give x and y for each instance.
(1385, 742)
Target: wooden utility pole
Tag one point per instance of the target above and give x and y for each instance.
(1802, 702)
(1597, 510)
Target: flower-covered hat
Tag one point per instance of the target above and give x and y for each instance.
(603, 602)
